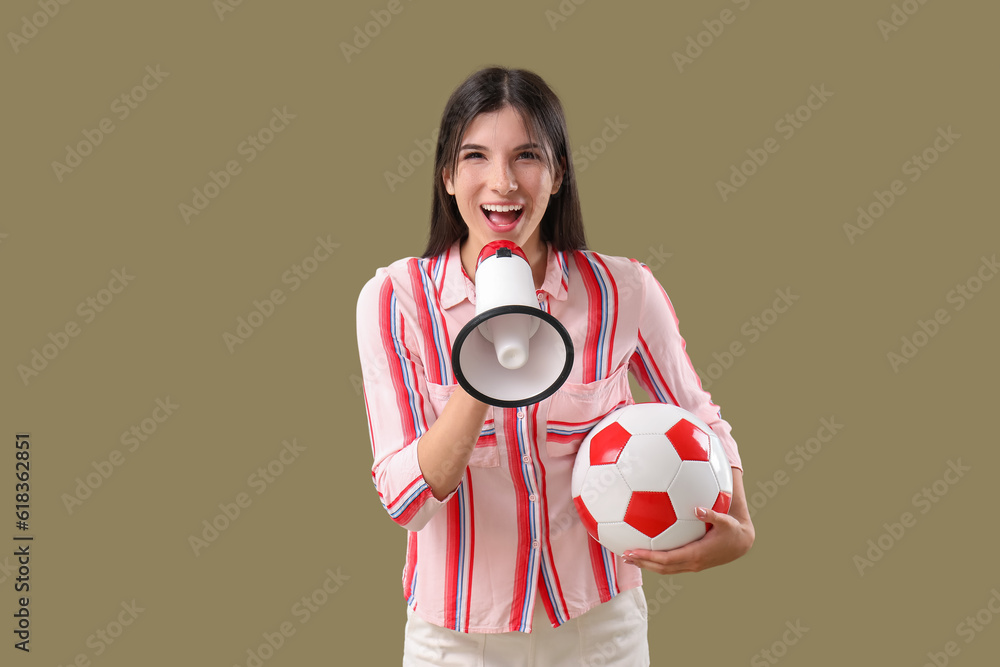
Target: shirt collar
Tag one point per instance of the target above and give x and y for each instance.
(457, 286)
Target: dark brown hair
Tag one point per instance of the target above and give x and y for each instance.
(486, 91)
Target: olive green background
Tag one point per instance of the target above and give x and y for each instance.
(650, 194)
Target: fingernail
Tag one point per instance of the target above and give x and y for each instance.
(701, 512)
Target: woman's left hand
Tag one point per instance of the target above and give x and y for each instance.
(731, 536)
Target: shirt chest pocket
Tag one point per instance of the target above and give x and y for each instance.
(576, 408)
(486, 454)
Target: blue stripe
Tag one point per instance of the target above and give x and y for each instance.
(413, 588)
(574, 431)
(608, 565)
(549, 587)
(461, 562)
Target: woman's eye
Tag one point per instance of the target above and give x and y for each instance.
(531, 155)
(468, 156)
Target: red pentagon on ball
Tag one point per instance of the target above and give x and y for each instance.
(690, 441)
(723, 502)
(650, 512)
(607, 446)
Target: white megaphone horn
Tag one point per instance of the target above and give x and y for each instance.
(512, 353)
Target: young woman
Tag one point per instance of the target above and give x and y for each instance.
(499, 569)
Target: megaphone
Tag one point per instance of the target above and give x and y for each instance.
(512, 353)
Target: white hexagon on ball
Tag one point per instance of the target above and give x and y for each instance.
(649, 463)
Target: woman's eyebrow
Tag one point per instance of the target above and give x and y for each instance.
(477, 147)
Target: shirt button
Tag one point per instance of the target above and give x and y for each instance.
(532, 498)
(534, 544)
(526, 458)
(520, 414)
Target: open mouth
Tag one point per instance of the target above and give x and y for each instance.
(502, 216)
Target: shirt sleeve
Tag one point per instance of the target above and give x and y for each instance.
(396, 403)
(663, 369)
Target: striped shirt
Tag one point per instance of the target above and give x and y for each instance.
(475, 560)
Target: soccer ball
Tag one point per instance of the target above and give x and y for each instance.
(641, 472)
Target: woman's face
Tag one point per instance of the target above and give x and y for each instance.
(501, 183)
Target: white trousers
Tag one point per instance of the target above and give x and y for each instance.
(610, 634)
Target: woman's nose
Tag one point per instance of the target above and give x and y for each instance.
(503, 179)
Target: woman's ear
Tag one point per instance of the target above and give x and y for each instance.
(449, 184)
(557, 179)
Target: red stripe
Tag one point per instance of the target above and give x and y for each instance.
(431, 366)
(613, 308)
(472, 549)
(597, 564)
(594, 318)
(523, 510)
(395, 370)
(453, 548)
(411, 565)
